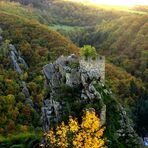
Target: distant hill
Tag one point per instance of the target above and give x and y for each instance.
(59, 12)
(141, 8)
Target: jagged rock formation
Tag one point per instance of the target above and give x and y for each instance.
(72, 72)
(16, 61)
(127, 132)
(85, 75)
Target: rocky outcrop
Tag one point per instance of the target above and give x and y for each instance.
(103, 115)
(73, 72)
(127, 131)
(78, 73)
(16, 61)
(48, 108)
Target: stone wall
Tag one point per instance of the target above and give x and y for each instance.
(96, 66)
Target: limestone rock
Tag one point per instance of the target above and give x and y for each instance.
(50, 107)
(127, 131)
(48, 71)
(73, 78)
(72, 72)
(12, 47)
(16, 59)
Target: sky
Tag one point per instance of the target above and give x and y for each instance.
(117, 2)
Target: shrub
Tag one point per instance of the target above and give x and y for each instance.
(88, 52)
(87, 134)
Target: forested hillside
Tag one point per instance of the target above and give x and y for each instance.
(37, 45)
(57, 12)
(124, 42)
(131, 46)
(34, 27)
(79, 15)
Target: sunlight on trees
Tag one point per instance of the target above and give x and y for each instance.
(88, 51)
(88, 134)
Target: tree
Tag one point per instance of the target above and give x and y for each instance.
(4, 48)
(87, 134)
(27, 52)
(133, 88)
(88, 51)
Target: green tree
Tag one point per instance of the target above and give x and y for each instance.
(4, 50)
(88, 51)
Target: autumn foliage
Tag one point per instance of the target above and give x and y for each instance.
(88, 134)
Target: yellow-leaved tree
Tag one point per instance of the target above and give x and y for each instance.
(88, 134)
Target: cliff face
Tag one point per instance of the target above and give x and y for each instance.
(17, 63)
(73, 73)
(77, 84)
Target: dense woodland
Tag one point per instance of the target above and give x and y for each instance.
(119, 34)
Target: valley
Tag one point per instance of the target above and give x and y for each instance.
(36, 33)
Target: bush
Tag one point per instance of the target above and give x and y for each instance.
(88, 52)
(87, 134)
